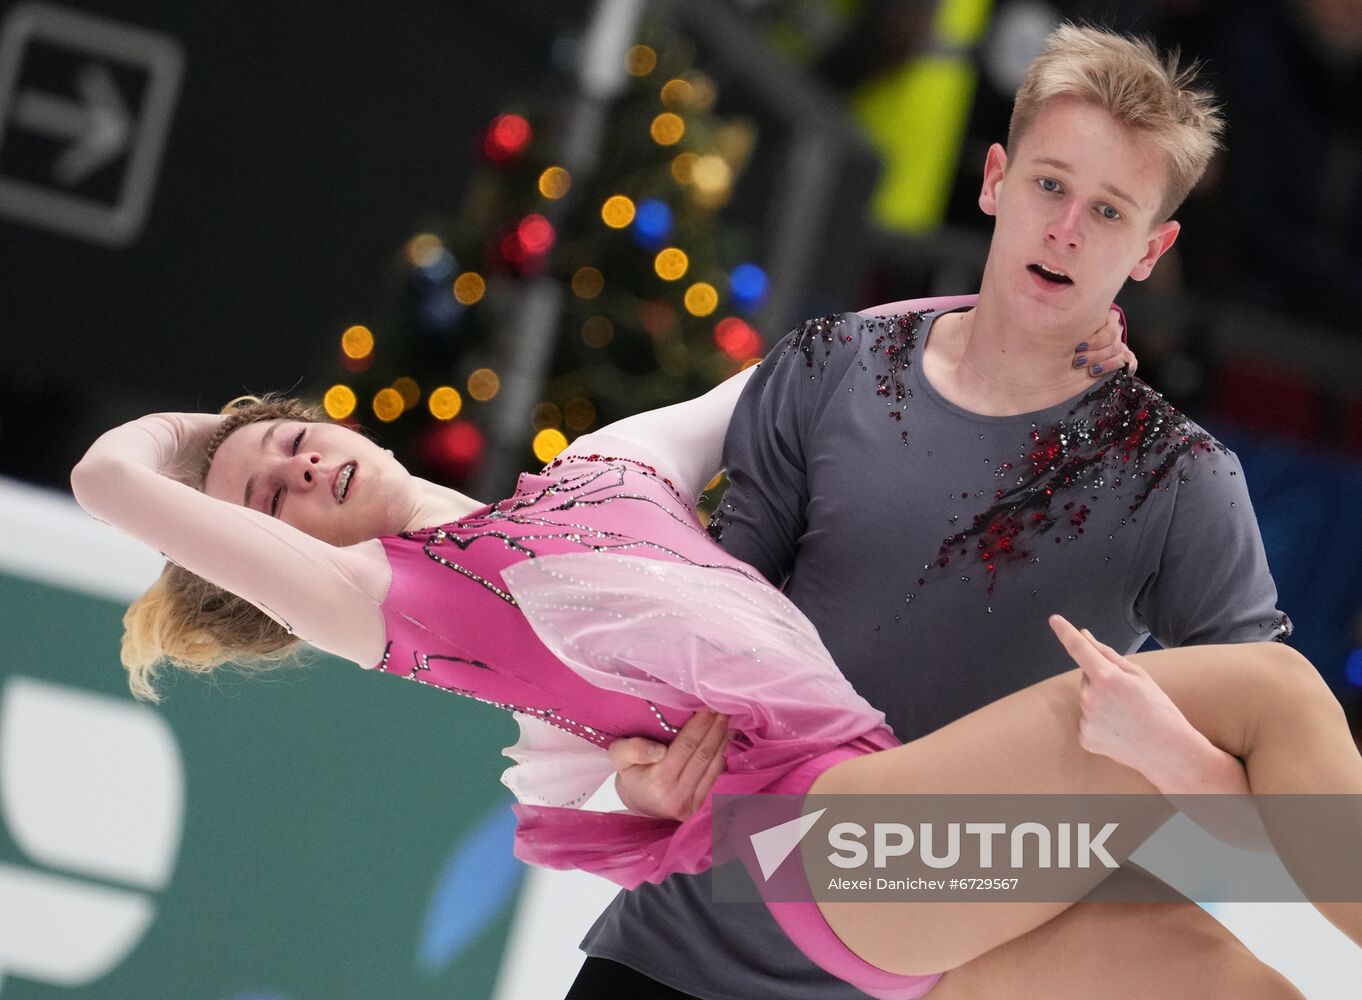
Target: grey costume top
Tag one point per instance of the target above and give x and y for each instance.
(928, 544)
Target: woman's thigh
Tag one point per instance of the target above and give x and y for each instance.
(1116, 951)
(1028, 742)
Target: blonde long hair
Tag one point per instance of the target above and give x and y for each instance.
(193, 624)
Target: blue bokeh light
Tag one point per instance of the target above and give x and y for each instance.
(1352, 668)
(478, 883)
(749, 285)
(652, 223)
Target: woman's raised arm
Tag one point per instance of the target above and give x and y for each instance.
(133, 477)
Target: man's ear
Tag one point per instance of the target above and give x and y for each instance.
(1160, 240)
(994, 167)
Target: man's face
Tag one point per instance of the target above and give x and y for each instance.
(1075, 205)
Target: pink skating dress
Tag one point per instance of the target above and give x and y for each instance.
(593, 605)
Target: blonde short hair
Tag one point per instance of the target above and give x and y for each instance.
(1135, 85)
(195, 625)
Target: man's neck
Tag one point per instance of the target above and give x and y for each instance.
(987, 366)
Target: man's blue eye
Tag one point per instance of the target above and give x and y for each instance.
(297, 442)
(1049, 184)
(1110, 213)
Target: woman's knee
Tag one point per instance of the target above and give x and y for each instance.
(1297, 682)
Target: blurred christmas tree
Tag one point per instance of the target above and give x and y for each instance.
(644, 284)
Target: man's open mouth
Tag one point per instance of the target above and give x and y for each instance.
(1052, 275)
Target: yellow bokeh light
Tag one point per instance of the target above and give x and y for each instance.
(548, 443)
(388, 405)
(702, 298)
(554, 182)
(579, 414)
(703, 93)
(357, 342)
(483, 384)
(671, 263)
(640, 60)
(617, 212)
(587, 282)
(445, 403)
(408, 389)
(683, 167)
(712, 175)
(597, 331)
(339, 402)
(546, 415)
(667, 129)
(676, 94)
(423, 249)
(469, 288)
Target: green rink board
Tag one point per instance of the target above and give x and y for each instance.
(323, 807)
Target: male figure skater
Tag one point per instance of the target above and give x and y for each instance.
(929, 488)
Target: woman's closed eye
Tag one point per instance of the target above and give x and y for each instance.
(278, 493)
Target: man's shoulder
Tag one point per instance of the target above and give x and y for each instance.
(1130, 423)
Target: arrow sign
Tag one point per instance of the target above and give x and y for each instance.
(98, 125)
(774, 845)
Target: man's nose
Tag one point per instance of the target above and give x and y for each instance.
(1064, 227)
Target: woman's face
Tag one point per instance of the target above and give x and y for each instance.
(324, 479)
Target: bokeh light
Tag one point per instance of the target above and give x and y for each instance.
(357, 342)
(617, 212)
(409, 390)
(702, 298)
(388, 405)
(455, 448)
(546, 415)
(653, 223)
(339, 402)
(469, 288)
(483, 384)
(445, 403)
(587, 282)
(659, 319)
(667, 129)
(507, 137)
(671, 263)
(424, 249)
(683, 167)
(548, 443)
(736, 338)
(579, 414)
(749, 285)
(640, 60)
(597, 331)
(554, 182)
(676, 94)
(535, 234)
(712, 180)
(1352, 668)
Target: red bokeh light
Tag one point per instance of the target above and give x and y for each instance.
(507, 137)
(454, 449)
(736, 338)
(536, 234)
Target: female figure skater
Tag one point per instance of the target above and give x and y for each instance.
(592, 604)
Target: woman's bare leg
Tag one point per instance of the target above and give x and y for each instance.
(1120, 951)
(1263, 703)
